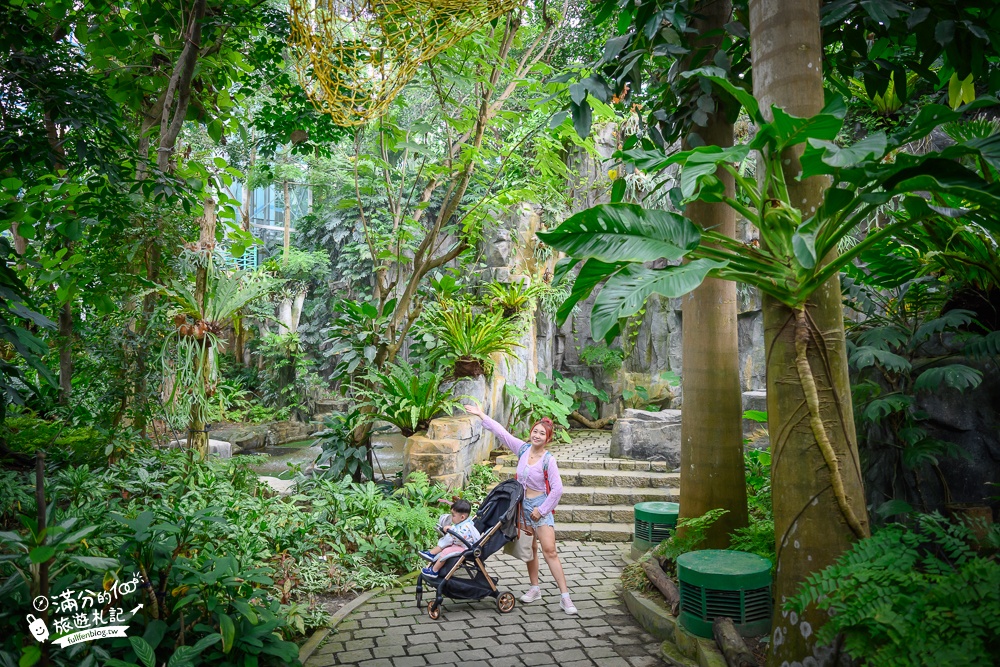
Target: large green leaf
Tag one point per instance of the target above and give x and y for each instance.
(864, 356)
(821, 157)
(624, 233)
(143, 650)
(718, 76)
(789, 130)
(956, 376)
(591, 274)
(626, 291)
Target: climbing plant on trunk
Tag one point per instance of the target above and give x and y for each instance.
(818, 499)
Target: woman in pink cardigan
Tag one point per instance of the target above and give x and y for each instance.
(539, 475)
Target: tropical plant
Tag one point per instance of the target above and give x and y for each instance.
(404, 396)
(925, 594)
(188, 354)
(558, 398)
(689, 535)
(511, 298)
(341, 455)
(906, 347)
(469, 338)
(357, 333)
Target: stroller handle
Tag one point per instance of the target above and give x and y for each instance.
(453, 533)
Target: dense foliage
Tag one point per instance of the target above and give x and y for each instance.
(234, 569)
(927, 593)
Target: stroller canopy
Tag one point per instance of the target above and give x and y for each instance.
(500, 506)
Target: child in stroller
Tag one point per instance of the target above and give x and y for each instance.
(448, 545)
(497, 523)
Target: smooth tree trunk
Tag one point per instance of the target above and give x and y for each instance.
(712, 471)
(811, 527)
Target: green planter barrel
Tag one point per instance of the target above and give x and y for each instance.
(654, 522)
(715, 583)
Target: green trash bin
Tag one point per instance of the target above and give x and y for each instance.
(654, 522)
(715, 583)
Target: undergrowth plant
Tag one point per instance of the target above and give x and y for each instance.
(405, 396)
(917, 595)
(688, 536)
(557, 398)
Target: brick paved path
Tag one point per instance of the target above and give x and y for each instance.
(389, 630)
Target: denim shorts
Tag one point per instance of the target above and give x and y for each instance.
(529, 505)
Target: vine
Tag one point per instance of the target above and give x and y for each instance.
(808, 381)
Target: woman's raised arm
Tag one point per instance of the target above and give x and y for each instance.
(512, 443)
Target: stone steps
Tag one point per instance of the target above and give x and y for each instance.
(596, 532)
(614, 495)
(599, 491)
(633, 479)
(509, 461)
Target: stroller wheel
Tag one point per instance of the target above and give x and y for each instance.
(433, 611)
(505, 602)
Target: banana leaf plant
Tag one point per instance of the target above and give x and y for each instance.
(797, 252)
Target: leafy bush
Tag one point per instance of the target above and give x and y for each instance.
(912, 596)
(63, 444)
(467, 338)
(600, 355)
(758, 536)
(689, 536)
(405, 397)
(476, 487)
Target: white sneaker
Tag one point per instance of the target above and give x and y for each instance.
(567, 606)
(534, 593)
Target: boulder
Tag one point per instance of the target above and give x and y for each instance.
(648, 436)
(247, 437)
(448, 450)
(283, 486)
(279, 433)
(755, 433)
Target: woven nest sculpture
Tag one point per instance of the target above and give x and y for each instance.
(354, 56)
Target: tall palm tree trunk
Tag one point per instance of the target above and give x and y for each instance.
(812, 528)
(712, 474)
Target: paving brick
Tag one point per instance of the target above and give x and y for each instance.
(353, 657)
(410, 661)
(391, 630)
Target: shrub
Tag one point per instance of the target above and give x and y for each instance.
(610, 359)
(556, 398)
(341, 456)
(63, 444)
(405, 397)
(911, 596)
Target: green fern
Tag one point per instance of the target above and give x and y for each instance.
(911, 597)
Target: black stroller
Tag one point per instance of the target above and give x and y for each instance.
(497, 522)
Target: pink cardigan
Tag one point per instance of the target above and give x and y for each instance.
(533, 476)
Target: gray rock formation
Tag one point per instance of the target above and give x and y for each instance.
(648, 436)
